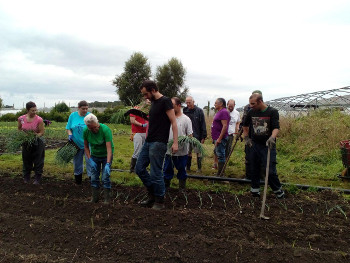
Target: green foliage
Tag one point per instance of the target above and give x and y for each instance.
(16, 139)
(1, 105)
(61, 107)
(106, 116)
(8, 117)
(136, 70)
(170, 79)
(66, 154)
(183, 140)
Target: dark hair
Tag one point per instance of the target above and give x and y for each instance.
(223, 101)
(83, 103)
(256, 96)
(30, 105)
(149, 85)
(177, 100)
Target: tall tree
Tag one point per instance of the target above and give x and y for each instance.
(171, 78)
(1, 103)
(136, 70)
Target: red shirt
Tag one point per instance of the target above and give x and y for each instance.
(138, 129)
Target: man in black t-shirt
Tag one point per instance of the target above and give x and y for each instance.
(161, 116)
(264, 120)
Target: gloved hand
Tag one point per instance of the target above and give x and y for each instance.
(107, 169)
(70, 137)
(271, 142)
(144, 125)
(92, 164)
(248, 141)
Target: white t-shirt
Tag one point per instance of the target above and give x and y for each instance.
(184, 128)
(233, 121)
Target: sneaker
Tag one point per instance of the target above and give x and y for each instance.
(280, 194)
(255, 194)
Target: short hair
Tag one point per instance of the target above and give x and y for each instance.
(177, 100)
(190, 97)
(257, 91)
(83, 103)
(91, 118)
(30, 105)
(256, 96)
(223, 101)
(149, 85)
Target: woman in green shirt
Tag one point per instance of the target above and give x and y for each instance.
(99, 148)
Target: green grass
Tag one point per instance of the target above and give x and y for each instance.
(307, 153)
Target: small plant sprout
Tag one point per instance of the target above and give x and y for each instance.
(200, 199)
(92, 222)
(211, 200)
(239, 204)
(186, 198)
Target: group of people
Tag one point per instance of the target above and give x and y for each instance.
(166, 121)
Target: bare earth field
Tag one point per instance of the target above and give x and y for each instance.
(55, 223)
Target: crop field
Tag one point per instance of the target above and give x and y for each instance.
(210, 222)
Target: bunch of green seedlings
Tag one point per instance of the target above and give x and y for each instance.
(193, 142)
(17, 138)
(66, 153)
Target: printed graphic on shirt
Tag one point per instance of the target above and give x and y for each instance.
(261, 125)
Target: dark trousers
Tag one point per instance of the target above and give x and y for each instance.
(229, 145)
(33, 157)
(179, 162)
(257, 158)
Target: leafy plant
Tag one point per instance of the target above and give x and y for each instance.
(183, 140)
(18, 138)
(66, 153)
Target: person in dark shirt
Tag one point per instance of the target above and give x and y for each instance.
(199, 128)
(264, 121)
(161, 116)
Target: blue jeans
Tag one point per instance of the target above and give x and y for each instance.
(78, 162)
(257, 157)
(180, 164)
(95, 174)
(220, 150)
(152, 153)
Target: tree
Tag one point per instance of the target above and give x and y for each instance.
(170, 79)
(1, 103)
(61, 107)
(136, 70)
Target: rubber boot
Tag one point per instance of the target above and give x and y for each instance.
(188, 165)
(37, 179)
(199, 164)
(167, 183)
(107, 195)
(132, 165)
(220, 167)
(78, 178)
(95, 195)
(149, 201)
(26, 178)
(159, 203)
(182, 186)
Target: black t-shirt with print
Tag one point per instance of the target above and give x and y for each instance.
(159, 123)
(263, 123)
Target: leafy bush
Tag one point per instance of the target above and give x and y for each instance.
(8, 117)
(61, 107)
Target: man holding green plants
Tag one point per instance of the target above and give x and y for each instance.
(75, 127)
(99, 149)
(264, 121)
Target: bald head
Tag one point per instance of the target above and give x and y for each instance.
(189, 102)
(231, 105)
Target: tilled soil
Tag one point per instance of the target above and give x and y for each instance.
(54, 222)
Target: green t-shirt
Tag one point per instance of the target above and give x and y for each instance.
(98, 140)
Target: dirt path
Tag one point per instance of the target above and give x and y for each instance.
(55, 223)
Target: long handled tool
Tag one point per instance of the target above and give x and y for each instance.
(262, 216)
(238, 135)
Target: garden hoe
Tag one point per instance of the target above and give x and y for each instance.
(262, 216)
(238, 135)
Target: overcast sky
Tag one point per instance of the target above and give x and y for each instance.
(53, 51)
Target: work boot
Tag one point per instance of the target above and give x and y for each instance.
(167, 183)
(132, 165)
(199, 164)
(107, 195)
(78, 178)
(95, 195)
(149, 201)
(220, 167)
(182, 186)
(188, 165)
(37, 179)
(159, 203)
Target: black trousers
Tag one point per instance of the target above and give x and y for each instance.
(33, 157)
